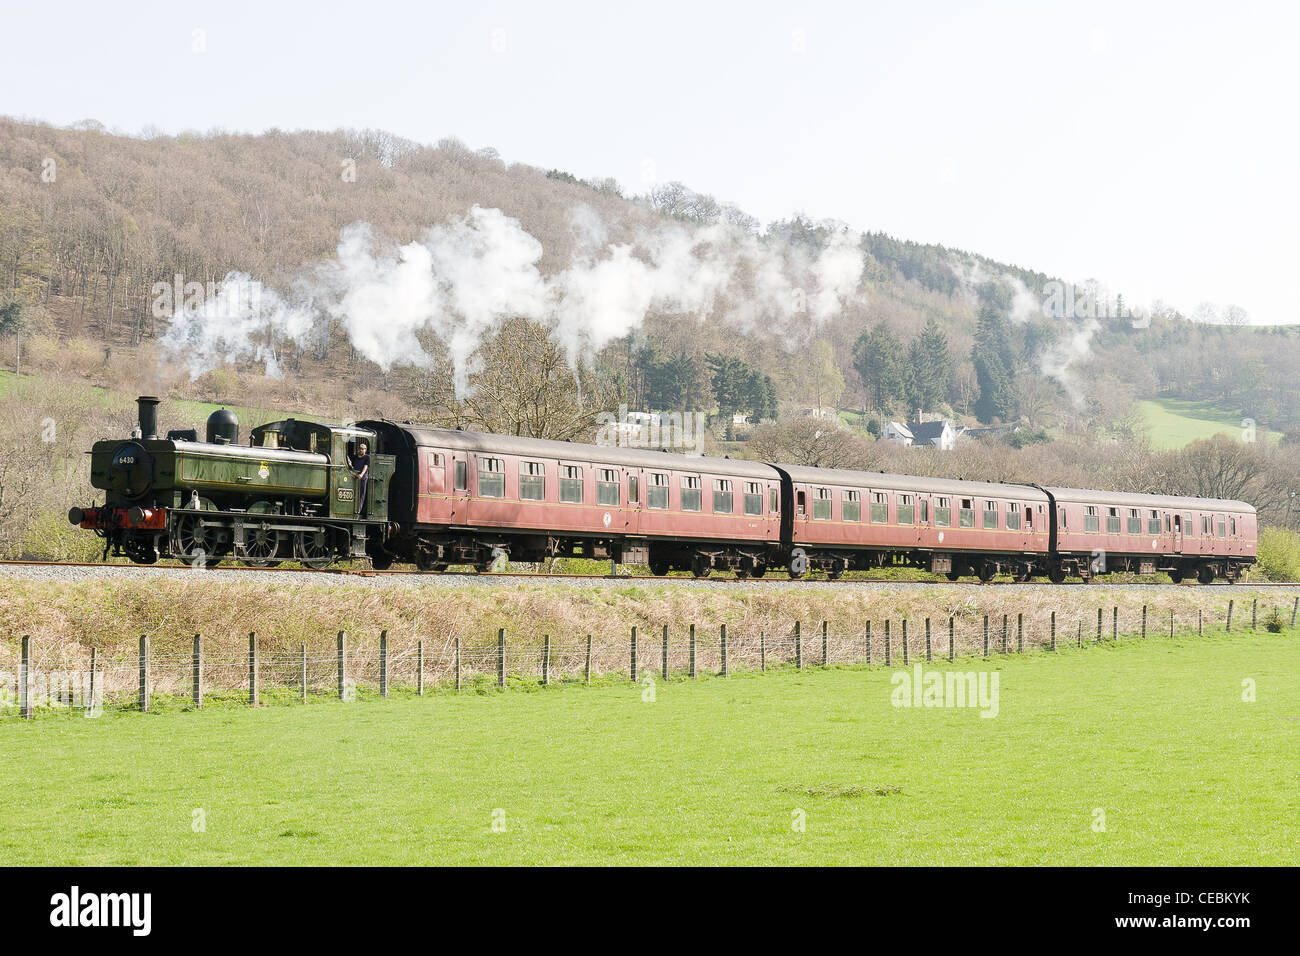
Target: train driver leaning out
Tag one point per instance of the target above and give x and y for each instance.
(360, 464)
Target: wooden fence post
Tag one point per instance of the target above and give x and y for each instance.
(723, 644)
(1004, 633)
(383, 663)
(1144, 622)
(986, 635)
(1200, 623)
(1053, 630)
(825, 646)
(302, 666)
(762, 651)
(419, 668)
(951, 642)
(904, 639)
(632, 655)
(144, 673)
(457, 655)
(1229, 625)
(1171, 623)
(1098, 625)
(343, 665)
(1114, 623)
(197, 690)
(546, 660)
(1078, 639)
(1254, 613)
(90, 701)
(663, 655)
(798, 646)
(25, 678)
(692, 652)
(501, 657)
(1294, 608)
(868, 642)
(586, 668)
(928, 656)
(1020, 632)
(252, 669)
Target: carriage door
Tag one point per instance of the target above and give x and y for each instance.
(635, 478)
(459, 488)
(1178, 532)
(1027, 529)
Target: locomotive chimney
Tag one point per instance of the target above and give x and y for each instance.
(148, 406)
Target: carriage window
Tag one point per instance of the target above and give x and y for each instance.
(943, 512)
(633, 489)
(1167, 523)
(925, 511)
(722, 496)
(1222, 528)
(1013, 517)
(1134, 521)
(1153, 523)
(753, 498)
(657, 490)
(1090, 519)
(906, 509)
(571, 484)
(879, 507)
(1232, 527)
(966, 514)
(1060, 517)
(691, 493)
(990, 514)
(775, 502)
(532, 481)
(491, 478)
(822, 504)
(1205, 525)
(460, 476)
(1112, 521)
(851, 506)
(607, 487)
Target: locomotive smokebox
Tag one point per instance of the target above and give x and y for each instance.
(148, 416)
(223, 427)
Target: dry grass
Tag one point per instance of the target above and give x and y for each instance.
(65, 620)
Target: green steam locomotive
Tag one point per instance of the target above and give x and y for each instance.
(291, 493)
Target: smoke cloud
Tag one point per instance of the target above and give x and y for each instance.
(462, 278)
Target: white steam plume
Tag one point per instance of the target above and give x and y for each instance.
(462, 278)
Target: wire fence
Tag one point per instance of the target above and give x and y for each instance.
(69, 678)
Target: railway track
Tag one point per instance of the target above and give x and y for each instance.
(560, 576)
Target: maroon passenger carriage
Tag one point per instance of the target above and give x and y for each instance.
(1105, 531)
(460, 497)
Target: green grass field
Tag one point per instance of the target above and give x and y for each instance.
(1174, 423)
(1154, 734)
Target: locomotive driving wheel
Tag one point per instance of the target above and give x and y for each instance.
(197, 544)
(313, 548)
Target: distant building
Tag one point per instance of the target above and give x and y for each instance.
(942, 434)
(898, 432)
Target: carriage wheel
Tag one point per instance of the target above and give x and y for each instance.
(702, 566)
(1205, 574)
(1056, 574)
(659, 567)
(986, 571)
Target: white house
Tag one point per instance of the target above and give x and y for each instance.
(898, 432)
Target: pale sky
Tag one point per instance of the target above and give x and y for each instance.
(1150, 146)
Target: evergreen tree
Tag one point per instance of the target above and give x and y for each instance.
(928, 367)
(991, 356)
(877, 357)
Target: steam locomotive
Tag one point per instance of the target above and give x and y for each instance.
(440, 497)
